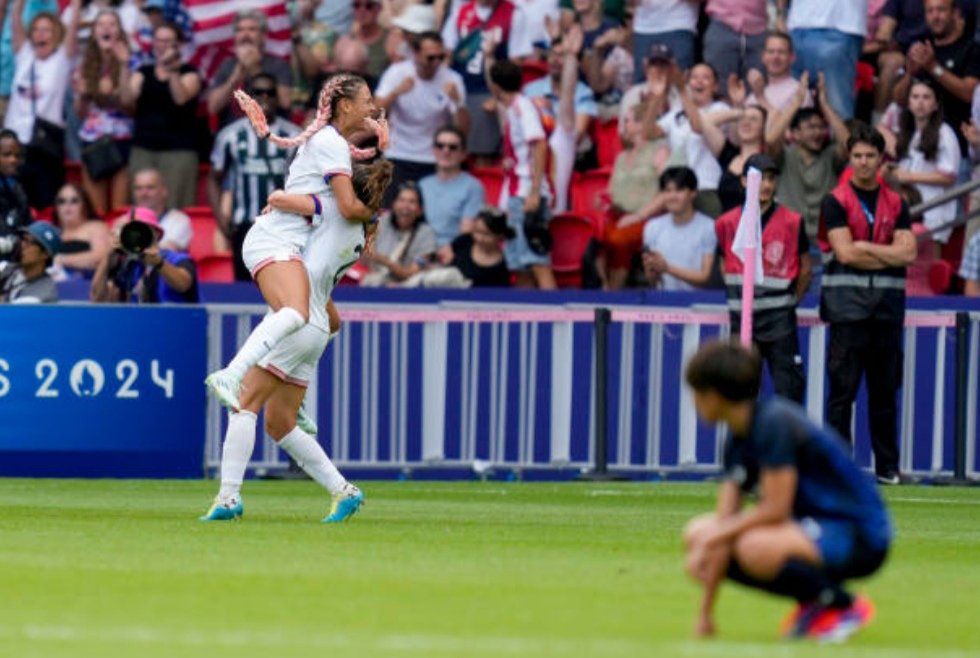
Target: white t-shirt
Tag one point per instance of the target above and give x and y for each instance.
(682, 245)
(522, 128)
(848, 16)
(699, 156)
(947, 161)
(177, 230)
(534, 15)
(658, 16)
(50, 84)
(519, 42)
(415, 116)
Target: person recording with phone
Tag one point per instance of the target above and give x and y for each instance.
(137, 270)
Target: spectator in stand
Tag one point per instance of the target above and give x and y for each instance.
(504, 25)
(679, 246)
(525, 177)
(928, 155)
(405, 244)
(786, 267)
(951, 58)
(828, 37)
(31, 9)
(14, 210)
(157, 13)
(150, 191)
(107, 129)
(420, 95)
(601, 33)
(163, 97)
(971, 133)
(863, 296)
(28, 281)
(44, 52)
(478, 254)
(683, 126)
(659, 76)
(452, 197)
(607, 64)
(407, 26)
(810, 165)
(250, 59)
(750, 138)
(129, 14)
(254, 168)
(734, 40)
(338, 14)
(634, 189)
(671, 23)
(970, 267)
(776, 90)
(368, 31)
(79, 223)
(150, 276)
(313, 42)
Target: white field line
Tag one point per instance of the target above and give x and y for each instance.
(412, 643)
(778, 649)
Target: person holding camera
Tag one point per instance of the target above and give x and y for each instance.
(25, 280)
(137, 270)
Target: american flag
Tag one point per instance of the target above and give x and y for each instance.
(213, 38)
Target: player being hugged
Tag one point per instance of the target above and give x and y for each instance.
(819, 520)
(273, 247)
(279, 380)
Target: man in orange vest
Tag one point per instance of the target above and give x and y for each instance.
(786, 268)
(866, 238)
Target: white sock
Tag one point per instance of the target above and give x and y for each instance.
(304, 449)
(271, 330)
(237, 450)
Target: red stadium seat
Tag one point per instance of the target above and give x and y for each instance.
(570, 234)
(608, 144)
(201, 192)
(204, 225)
(215, 268)
(940, 277)
(492, 179)
(533, 69)
(590, 193)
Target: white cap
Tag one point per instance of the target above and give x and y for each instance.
(416, 19)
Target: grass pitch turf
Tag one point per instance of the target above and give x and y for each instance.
(123, 568)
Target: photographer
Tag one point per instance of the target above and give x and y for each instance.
(14, 212)
(26, 281)
(137, 270)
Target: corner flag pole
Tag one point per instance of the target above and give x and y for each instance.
(746, 246)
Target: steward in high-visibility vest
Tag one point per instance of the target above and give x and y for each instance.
(866, 239)
(786, 268)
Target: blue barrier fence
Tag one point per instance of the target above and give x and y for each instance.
(475, 392)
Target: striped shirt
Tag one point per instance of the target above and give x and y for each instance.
(253, 168)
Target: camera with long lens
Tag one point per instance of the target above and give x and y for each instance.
(134, 238)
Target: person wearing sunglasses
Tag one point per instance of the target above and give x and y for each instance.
(248, 168)
(27, 281)
(79, 223)
(420, 95)
(14, 210)
(368, 31)
(452, 197)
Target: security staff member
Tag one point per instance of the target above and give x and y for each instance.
(867, 243)
(786, 269)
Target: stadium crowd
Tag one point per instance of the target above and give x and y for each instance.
(611, 134)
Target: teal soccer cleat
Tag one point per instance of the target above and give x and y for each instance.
(224, 510)
(345, 504)
(305, 422)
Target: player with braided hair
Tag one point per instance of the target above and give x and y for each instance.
(278, 381)
(273, 247)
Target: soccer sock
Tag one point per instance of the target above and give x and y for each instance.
(273, 328)
(237, 450)
(807, 583)
(304, 449)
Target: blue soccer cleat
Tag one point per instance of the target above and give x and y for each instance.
(231, 509)
(345, 504)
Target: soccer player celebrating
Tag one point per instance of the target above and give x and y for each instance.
(819, 520)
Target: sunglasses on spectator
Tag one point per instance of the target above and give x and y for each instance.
(447, 146)
(435, 58)
(65, 201)
(366, 5)
(263, 91)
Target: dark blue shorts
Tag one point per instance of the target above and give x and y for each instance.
(845, 547)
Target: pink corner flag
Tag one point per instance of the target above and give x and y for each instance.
(747, 246)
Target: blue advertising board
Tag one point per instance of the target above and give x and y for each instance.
(102, 391)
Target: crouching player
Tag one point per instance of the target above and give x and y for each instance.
(819, 520)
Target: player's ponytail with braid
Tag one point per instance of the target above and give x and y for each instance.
(370, 180)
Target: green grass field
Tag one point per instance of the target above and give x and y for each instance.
(123, 568)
